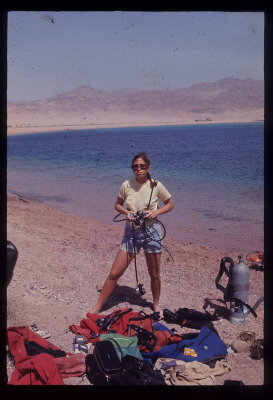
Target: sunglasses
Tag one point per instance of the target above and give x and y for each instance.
(141, 166)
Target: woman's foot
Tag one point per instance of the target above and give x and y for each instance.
(158, 310)
(94, 311)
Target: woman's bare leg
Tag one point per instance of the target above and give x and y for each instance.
(119, 266)
(153, 263)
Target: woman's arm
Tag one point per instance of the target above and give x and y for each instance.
(119, 207)
(168, 206)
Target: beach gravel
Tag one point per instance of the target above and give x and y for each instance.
(64, 260)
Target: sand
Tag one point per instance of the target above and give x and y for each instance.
(64, 259)
(24, 123)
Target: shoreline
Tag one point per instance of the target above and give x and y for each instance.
(14, 197)
(96, 225)
(71, 127)
(37, 210)
(226, 240)
(171, 238)
(244, 239)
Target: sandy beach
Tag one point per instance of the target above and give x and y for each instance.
(24, 123)
(64, 259)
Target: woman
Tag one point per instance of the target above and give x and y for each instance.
(140, 194)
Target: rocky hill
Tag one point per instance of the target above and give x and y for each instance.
(227, 99)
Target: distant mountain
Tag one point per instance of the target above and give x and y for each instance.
(90, 105)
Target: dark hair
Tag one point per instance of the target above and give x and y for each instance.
(145, 158)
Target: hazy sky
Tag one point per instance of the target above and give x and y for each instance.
(53, 52)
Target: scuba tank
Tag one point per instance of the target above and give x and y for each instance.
(237, 290)
(239, 281)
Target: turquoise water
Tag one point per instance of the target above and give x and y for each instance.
(214, 173)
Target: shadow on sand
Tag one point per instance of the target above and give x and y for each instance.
(126, 294)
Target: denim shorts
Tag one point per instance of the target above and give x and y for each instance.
(147, 238)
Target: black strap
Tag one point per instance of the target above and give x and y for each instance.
(234, 299)
(134, 245)
(223, 269)
(153, 316)
(258, 302)
(158, 240)
(33, 348)
(153, 185)
(112, 319)
(145, 337)
(118, 220)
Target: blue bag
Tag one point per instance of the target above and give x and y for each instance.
(207, 346)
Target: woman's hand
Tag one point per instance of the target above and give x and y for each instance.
(129, 216)
(120, 209)
(168, 206)
(150, 214)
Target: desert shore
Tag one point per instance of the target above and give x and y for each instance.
(24, 124)
(64, 259)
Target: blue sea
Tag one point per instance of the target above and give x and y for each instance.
(214, 173)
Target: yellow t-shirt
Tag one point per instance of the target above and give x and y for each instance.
(137, 195)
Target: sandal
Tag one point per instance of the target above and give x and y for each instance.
(39, 332)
